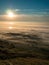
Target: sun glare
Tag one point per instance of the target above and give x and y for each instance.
(10, 13)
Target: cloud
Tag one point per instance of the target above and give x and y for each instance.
(37, 10)
(26, 17)
(17, 10)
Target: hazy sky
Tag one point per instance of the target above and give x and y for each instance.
(34, 11)
(25, 10)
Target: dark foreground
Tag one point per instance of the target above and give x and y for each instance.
(27, 48)
(24, 61)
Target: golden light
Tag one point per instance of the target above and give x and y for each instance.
(10, 13)
(10, 27)
(11, 23)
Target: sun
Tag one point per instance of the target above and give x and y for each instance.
(10, 13)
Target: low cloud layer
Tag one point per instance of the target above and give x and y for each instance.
(25, 17)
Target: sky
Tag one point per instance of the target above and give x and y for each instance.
(25, 10)
(31, 12)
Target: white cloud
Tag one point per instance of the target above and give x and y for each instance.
(17, 10)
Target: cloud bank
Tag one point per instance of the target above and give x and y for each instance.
(26, 17)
